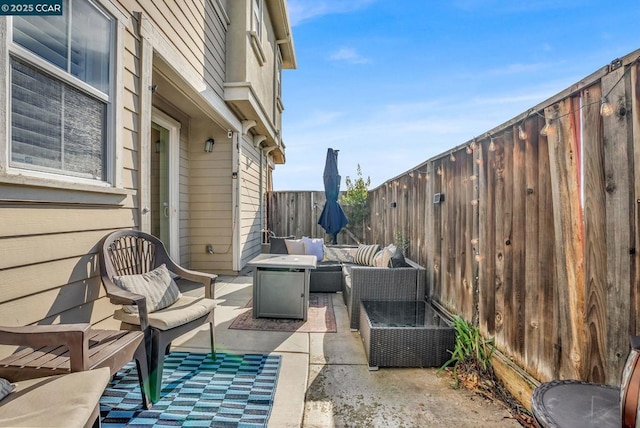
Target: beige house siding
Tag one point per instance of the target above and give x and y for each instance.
(50, 228)
(251, 189)
(211, 206)
(262, 76)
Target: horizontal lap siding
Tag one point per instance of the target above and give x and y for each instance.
(49, 268)
(182, 22)
(250, 201)
(211, 202)
(184, 197)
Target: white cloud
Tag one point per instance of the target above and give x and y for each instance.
(349, 55)
(304, 10)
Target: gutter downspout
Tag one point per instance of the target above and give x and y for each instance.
(235, 195)
(257, 141)
(263, 203)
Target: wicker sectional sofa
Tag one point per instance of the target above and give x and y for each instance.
(374, 283)
(338, 272)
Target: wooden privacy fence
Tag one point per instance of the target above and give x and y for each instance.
(531, 236)
(297, 214)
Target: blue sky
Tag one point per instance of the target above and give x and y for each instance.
(392, 83)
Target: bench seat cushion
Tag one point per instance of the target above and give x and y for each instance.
(56, 401)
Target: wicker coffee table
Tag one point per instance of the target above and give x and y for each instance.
(404, 334)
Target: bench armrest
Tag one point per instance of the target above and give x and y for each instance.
(73, 336)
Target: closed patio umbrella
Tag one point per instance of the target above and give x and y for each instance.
(332, 219)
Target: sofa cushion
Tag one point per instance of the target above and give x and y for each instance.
(295, 246)
(314, 247)
(398, 260)
(185, 310)
(277, 245)
(366, 254)
(328, 266)
(157, 286)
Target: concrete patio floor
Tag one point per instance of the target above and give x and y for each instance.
(324, 379)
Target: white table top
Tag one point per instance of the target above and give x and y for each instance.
(284, 261)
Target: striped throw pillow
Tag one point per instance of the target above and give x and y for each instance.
(157, 286)
(365, 254)
(6, 388)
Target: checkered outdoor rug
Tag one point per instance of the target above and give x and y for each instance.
(232, 391)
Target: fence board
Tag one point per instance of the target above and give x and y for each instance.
(618, 179)
(569, 256)
(532, 295)
(549, 356)
(595, 235)
(464, 239)
(486, 244)
(634, 92)
(518, 241)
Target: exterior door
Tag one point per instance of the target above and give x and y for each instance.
(165, 142)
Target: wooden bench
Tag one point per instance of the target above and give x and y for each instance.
(48, 350)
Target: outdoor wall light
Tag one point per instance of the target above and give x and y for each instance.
(521, 133)
(549, 128)
(208, 145)
(605, 107)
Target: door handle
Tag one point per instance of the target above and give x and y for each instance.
(166, 209)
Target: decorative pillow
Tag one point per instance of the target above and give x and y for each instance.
(387, 253)
(339, 254)
(398, 260)
(295, 246)
(314, 247)
(6, 388)
(365, 254)
(157, 286)
(277, 245)
(630, 380)
(377, 259)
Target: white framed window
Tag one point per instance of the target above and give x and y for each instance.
(257, 18)
(278, 73)
(61, 90)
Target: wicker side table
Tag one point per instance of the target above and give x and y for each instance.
(404, 334)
